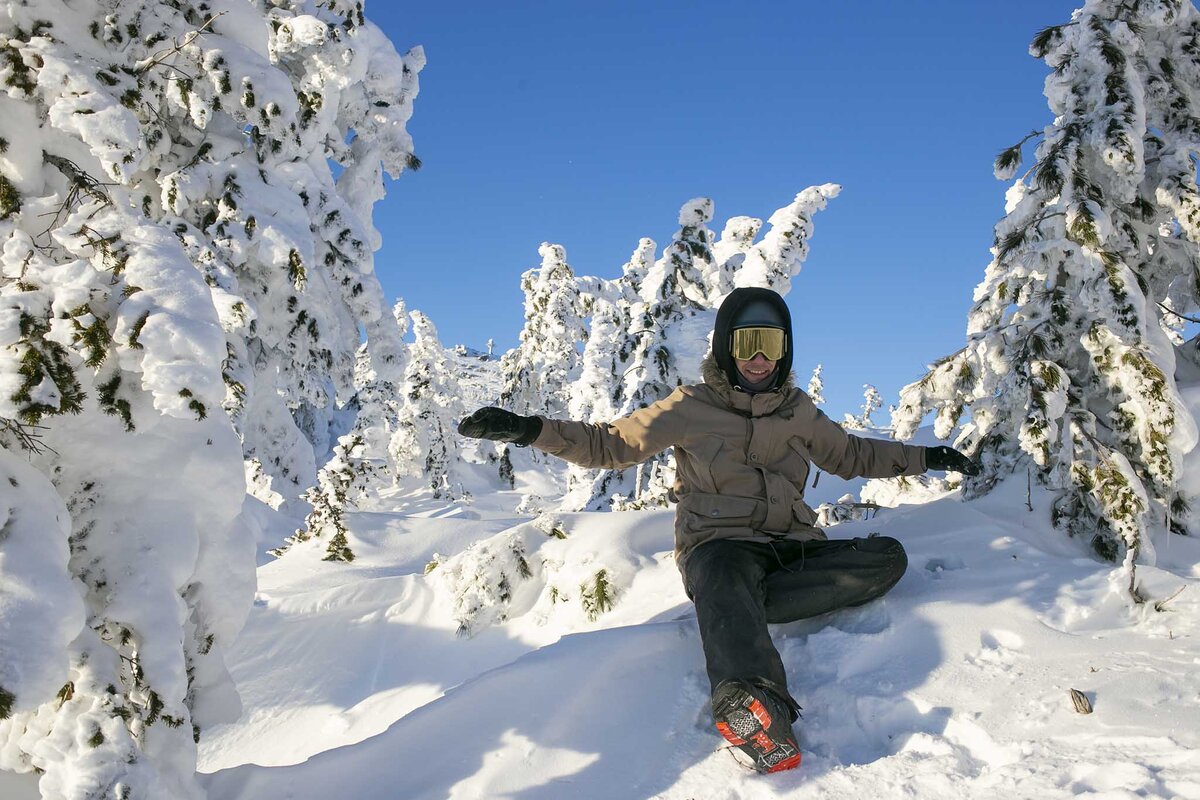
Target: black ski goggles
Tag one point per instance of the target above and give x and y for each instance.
(745, 343)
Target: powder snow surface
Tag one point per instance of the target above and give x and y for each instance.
(355, 683)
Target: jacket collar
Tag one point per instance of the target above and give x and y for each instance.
(754, 405)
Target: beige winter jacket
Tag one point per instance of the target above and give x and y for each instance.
(742, 460)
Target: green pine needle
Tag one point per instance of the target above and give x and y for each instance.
(1045, 39)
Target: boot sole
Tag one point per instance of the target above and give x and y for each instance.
(745, 723)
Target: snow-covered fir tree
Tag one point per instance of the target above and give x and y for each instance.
(816, 386)
(592, 396)
(635, 270)
(598, 394)
(343, 474)
(338, 292)
(733, 248)
(172, 243)
(872, 402)
(687, 269)
(774, 261)
(1069, 369)
(674, 294)
(631, 304)
(379, 378)
(538, 372)
(360, 461)
(425, 444)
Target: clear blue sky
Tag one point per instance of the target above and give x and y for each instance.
(589, 124)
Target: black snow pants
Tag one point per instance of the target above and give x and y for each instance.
(740, 586)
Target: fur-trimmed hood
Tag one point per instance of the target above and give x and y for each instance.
(715, 378)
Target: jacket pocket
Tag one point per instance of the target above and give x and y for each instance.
(720, 510)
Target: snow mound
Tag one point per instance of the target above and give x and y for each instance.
(540, 569)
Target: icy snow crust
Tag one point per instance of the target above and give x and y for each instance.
(358, 681)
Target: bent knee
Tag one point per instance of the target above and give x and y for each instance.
(890, 549)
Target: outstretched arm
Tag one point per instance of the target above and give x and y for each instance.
(849, 456)
(614, 445)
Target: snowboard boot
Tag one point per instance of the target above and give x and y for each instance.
(754, 719)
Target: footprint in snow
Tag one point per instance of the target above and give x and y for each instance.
(1001, 639)
(998, 648)
(938, 566)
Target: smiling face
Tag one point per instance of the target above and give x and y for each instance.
(752, 340)
(757, 369)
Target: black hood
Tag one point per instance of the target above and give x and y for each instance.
(727, 315)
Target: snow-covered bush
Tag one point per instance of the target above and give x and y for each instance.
(910, 489)
(483, 578)
(538, 569)
(1069, 368)
(173, 244)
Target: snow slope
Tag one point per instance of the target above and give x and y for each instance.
(955, 685)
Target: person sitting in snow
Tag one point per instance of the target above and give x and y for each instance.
(745, 541)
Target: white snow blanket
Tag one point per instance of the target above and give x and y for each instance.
(357, 682)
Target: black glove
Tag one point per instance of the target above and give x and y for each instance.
(501, 426)
(947, 458)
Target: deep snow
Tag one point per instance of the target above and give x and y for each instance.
(355, 683)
